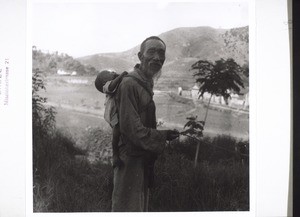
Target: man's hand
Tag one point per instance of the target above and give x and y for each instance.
(124, 73)
(172, 134)
(117, 162)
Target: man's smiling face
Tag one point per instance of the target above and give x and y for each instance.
(152, 57)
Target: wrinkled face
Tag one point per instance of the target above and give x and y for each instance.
(152, 57)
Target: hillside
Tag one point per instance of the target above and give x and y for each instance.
(185, 46)
(186, 42)
(50, 63)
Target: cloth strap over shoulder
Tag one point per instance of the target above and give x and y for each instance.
(150, 107)
(142, 84)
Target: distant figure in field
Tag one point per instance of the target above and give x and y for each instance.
(140, 141)
(179, 91)
(107, 82)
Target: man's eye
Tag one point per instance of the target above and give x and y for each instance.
(151, 51)
(161, 53)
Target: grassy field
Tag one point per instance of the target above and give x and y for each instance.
(220, 182)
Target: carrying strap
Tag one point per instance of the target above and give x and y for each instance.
(142, 84)
(149, 107)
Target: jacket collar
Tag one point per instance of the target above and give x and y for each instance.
(138, 74)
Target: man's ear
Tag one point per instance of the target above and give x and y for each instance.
(140, 56)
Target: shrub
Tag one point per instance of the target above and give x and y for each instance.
(220, 182)
(52, 150)
(208, 187)
(214, 185)
(213, 149)
(82, 187)
(43, 125)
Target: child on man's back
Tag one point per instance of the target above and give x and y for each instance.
(107, 82)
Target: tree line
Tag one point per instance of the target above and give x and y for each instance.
(51, 62)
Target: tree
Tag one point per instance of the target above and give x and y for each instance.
(219, 78)
(52, 64)
(43, 117)
(43, 123)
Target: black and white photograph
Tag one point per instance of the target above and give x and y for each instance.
(140, 107)
(121, 108)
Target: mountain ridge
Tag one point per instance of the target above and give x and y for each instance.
(183, 43)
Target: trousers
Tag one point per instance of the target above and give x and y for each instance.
(130, 192)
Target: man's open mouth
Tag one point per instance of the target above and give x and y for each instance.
(155, 66)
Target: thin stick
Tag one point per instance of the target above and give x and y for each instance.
(197, 153)
(207, 108)
(198, 144)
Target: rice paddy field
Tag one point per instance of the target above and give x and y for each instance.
(79, 106)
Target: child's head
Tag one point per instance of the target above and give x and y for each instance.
(103, 77)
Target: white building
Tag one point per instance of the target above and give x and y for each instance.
(62, 72)
(235, 100)
(195, 91)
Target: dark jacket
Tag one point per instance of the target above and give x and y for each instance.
(137, 118)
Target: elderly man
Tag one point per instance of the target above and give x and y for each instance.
(140, 141)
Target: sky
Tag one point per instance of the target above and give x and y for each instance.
(81, 28)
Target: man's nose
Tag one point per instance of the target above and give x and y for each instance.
(156, 56)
